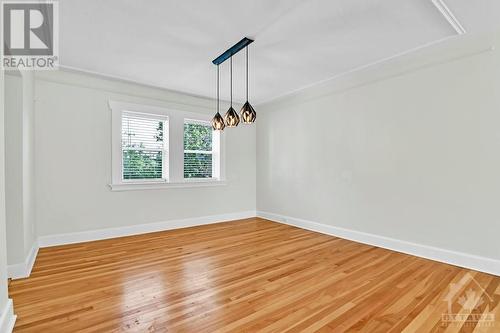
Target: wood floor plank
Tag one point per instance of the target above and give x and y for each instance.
(250, 275)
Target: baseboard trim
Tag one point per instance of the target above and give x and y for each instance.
(7, 317)
(465, 260)
(93, 235)
(23, 270)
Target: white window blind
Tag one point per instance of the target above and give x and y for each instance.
(144, 146)
(198, 150)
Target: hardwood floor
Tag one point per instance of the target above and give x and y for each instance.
(247, 276)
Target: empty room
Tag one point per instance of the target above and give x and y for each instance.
(250, 166)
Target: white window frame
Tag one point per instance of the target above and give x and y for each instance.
(174, 138)
(215, 151)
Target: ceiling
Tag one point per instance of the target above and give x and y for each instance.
(170, 44)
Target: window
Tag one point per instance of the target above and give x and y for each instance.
(198, 150)
(155, 147)
(144, 147)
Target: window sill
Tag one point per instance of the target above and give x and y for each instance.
(137, 186)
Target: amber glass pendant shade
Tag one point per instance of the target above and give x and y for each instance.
(232, 119)
(218, 122)
(248, 114)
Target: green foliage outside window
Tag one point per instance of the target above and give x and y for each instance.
(139, 162)
(197, 137)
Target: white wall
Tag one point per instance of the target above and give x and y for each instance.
(14, 167)
(28, 166)
(20, 167)
(6, 311)
(408, 149)
(73, 159)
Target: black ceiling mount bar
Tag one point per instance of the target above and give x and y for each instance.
(232, 51)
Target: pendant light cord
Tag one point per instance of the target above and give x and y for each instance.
(217, 88)
(247, 71)
(231, 76)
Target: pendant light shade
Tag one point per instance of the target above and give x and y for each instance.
(248, 114)
(231, 117)
(218, 121)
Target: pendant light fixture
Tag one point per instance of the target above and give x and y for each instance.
(248, 114)
(218, 121)
(232, 119)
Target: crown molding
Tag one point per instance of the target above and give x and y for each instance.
(449, 16)
(432, 54)
(92, 80)
(72, 69)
